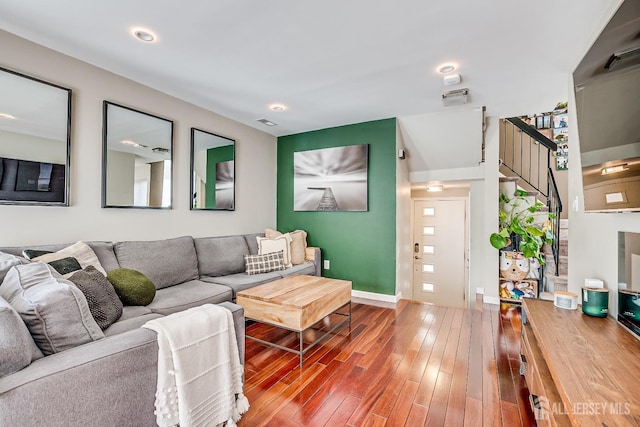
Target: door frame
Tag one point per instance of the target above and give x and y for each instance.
(467, 286)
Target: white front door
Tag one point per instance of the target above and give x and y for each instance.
(439, 265)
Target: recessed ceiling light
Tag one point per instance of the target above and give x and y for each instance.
(267, 122)
(7, 116)
(446, 68)
(129, 142)
(144, 35)
(615, 169)
(277, 107)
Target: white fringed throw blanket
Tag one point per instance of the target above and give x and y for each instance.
(199, 370)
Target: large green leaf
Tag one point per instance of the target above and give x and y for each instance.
(535, 231)
(497, 241)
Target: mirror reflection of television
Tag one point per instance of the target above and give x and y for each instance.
(607, 89)
(629, 280)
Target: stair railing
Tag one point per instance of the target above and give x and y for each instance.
(525, 158)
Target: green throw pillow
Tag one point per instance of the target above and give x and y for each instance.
(132, 287)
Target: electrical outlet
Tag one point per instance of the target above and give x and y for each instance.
(327, 264)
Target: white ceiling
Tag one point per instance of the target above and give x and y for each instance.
(332, 62)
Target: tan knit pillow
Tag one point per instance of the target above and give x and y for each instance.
(298, 244)
(271, 234)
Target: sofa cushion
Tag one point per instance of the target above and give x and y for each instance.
(252, 242)
(256, 264)
(241, 281)
(7, 261)
(187, 295)
(104, 252)
(131, 286)
(80, 251)
(55, 311)
(104, 304)
(219, 256)
(17, 348)
(130, 311)
(165, 262)
(129, 324)
(307, 268)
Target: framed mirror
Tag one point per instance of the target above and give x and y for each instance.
(212, 171)
(35, 138)
(137, 159)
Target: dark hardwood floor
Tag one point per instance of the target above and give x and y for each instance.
(412, 365)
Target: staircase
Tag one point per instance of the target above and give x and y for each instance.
(525, 163)
(558, 282)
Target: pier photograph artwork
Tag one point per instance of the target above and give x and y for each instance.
(331, 179)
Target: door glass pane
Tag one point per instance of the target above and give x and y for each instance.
(428, 249)
(429, 211)
(427, 287)
(427, 268)
(429, 231)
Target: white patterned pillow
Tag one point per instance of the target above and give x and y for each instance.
(257, 264)
(80, 251)
(280, 243)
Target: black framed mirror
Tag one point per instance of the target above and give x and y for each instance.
(212, 171)
(35, 140)
(137, 159)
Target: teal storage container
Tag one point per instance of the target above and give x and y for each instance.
(595, 302)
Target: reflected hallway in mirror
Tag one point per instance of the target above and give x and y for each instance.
(35, 137)
(137, 159)
(212, 171)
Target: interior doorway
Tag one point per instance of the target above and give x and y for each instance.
(440, 251)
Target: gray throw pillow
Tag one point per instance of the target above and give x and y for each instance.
(104, 304)
(7, 261)
(54, 309)
(17, 349)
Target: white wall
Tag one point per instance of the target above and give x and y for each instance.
(593, 237)
(21, 146)
(85, 219)
(482, 178)
(121, 168)
(404, 238)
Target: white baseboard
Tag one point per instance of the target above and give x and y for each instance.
(375, 296)
(491, 300)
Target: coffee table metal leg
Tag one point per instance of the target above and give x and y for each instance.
(303, 350)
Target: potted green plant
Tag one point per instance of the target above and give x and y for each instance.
(520, 224)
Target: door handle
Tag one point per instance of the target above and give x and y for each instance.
(416, 257)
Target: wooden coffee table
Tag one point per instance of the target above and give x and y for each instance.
(296, 303)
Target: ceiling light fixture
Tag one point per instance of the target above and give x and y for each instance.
(7, 116)
(144, 35)
(455, 97)
(434, 188)
(277, 107)
(267, 122)
(129, 142)
(446, 68)
(615, 169)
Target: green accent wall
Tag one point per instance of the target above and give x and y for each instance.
(214, 156)
(361, 246)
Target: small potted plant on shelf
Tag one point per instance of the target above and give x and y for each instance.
(523, 225)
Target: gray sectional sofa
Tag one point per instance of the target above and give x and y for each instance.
(112, 381)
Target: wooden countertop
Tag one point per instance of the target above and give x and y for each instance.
(594, 362)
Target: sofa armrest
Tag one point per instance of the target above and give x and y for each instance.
(239, 324)
(107, 382)
(314, 255)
